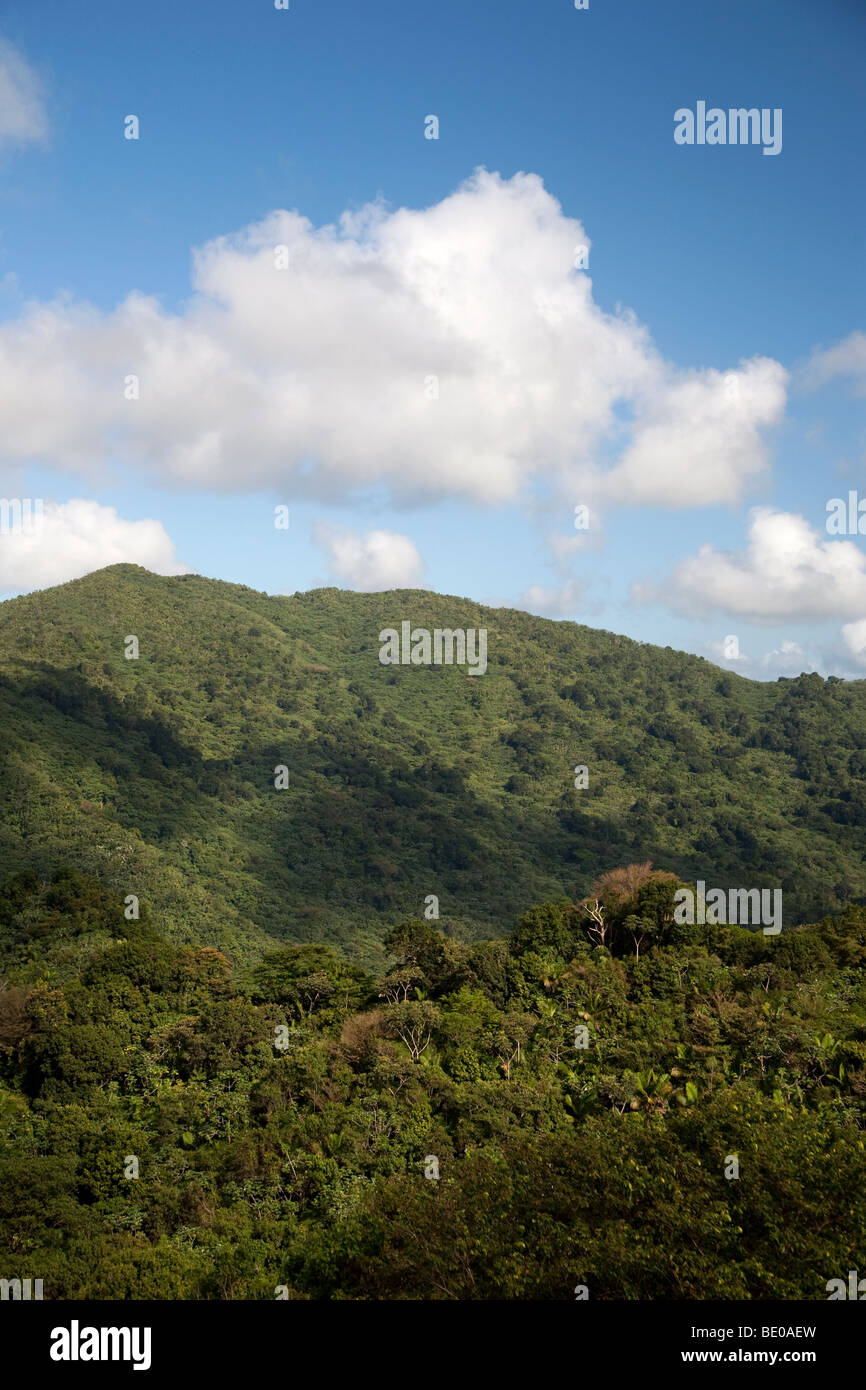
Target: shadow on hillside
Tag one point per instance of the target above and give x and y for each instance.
(352, 832)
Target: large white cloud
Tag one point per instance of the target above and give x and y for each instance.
(373, 561)
(786, 571)
(23, 118)
(450, 351)
(72, 539)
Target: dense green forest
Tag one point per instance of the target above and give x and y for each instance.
(157, 774)
(287, 1121)
(237, 1061)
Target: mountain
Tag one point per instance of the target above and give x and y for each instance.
(158, 773)
(461, 1111)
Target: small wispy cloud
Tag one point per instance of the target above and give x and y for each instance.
(845, 359)
(23, 116)
(559, 601)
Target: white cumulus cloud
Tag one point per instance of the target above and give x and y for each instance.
(786, 571)
(450, 351)
(371, 561)
(699, 440)
(73, 538)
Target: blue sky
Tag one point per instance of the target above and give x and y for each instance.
(699, 386)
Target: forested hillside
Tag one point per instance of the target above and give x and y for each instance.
(157, 773)
(236, 1059)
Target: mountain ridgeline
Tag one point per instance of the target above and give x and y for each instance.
(158, 773)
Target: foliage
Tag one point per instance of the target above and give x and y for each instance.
(157, 774)
(303, 1164)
